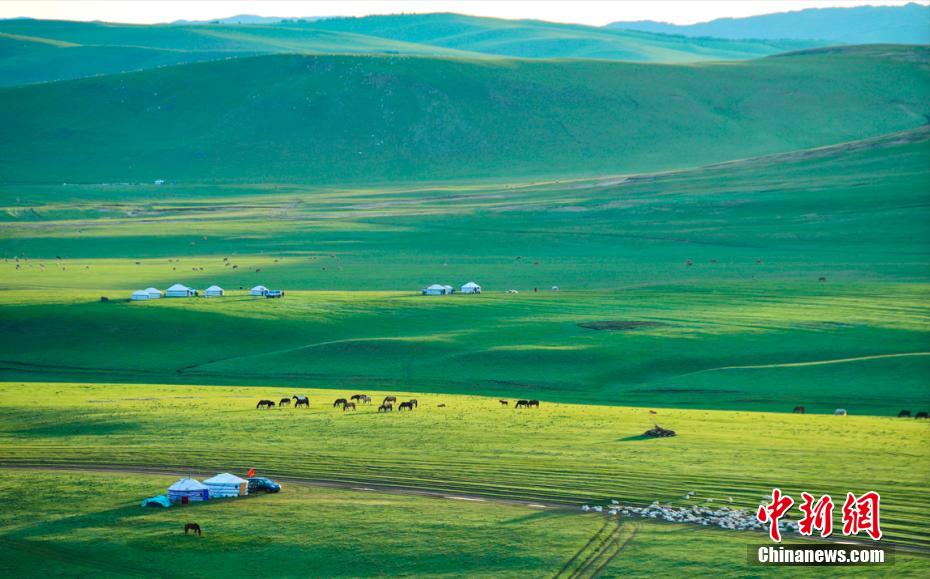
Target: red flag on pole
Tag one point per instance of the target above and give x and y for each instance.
(251, 472)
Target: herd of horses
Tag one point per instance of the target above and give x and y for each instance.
(387, 405)
(842, 412)
(351, 403)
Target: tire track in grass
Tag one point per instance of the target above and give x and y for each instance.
(620, 543)
(585, 569)
(581, 551)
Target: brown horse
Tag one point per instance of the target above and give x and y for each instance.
(340, 401)
(365, 399)
(799, 410)
(284, 402)
(193, 527)
(356, 397)
(265, 404)
(533, 404)
(407, 405)
(391, 399)
(504, 402)
(348, 406)
(385, 408)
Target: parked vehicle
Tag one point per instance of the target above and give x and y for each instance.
(274, 294)
(262, 484)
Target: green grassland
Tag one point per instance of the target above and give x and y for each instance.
(363, 120)
(726, 332)
(47, 50)
(560, 452)
(321, 531)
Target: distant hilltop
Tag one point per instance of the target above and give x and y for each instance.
(909, 24)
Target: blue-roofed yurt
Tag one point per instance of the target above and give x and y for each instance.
(227, 485)
(188, 490)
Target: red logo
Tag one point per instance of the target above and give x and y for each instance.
(819, 516)
(859, 514)
(862, 515)
(774, 511)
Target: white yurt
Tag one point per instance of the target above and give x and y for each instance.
(449, 289)
(140, 295)
(179, 291)
(435, 290)
(154, 293)
(227, 485)
(258, 290)
(471, 288)
(214, 291)
(188, 490)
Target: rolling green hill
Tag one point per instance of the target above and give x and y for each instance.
(539, 39)
(345, 119)
(47, 50)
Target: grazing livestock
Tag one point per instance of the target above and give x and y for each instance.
(391, 399)
(340, 401)
(407, 405)
(504, 402)
(522, 404)
(414, 403)
(348, 406)
(921, 415)
(265, 404)
(284, 402)
(440, 406)
(821, 279)
(194, 528)
(904, 414)
(799, 410)
(533, 404)
(365, 399)
(301, 401)
(356, 397)
(385, 408)
(839, 412)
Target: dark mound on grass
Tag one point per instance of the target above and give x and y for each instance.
(621, 325)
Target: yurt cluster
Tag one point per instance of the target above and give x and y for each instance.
(179, 290)
(444, 290)
(188, 490)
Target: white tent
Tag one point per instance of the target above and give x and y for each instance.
(435, 290)
(179, 291)
(140, 295)
(227, 485)
(153, 293)
(258, 290)
(449, 289)
(214, 291)
(188, 489)
(471, 288)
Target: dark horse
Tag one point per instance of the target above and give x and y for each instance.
(391, 399)
(504, 402)
(533, 404)
(385, 408)
(265, 403)
(904, 414)
(920, 415)
(365, 399)
(301, 401)
(521, 404)
(356, 397)
(194, 527)
(407, 405)
(799, 410)
(284, 402)
(340, 401)
(348, 405)
(414, 403)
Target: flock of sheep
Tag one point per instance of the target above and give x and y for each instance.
(723, 517)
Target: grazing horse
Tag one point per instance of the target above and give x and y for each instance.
(356, 397)
(441, 406)
(385, 408)
(821, 279)
(193, 527)
(904, 414)
(414, 403)
(391, 399)
(340, 401)
(920, 415)
(348, 405)
(532, 404)
(301, 401)
(799, 410)
(365, 399)
(284, 402)
(521, 404)
(504, 402)
(265, 404)
(407, 405)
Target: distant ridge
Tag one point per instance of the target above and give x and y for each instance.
(909, 24)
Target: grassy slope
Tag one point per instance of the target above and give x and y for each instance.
(853, 213)
(569, 453)
(538, 39)
(343, 119)
(267, 535)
